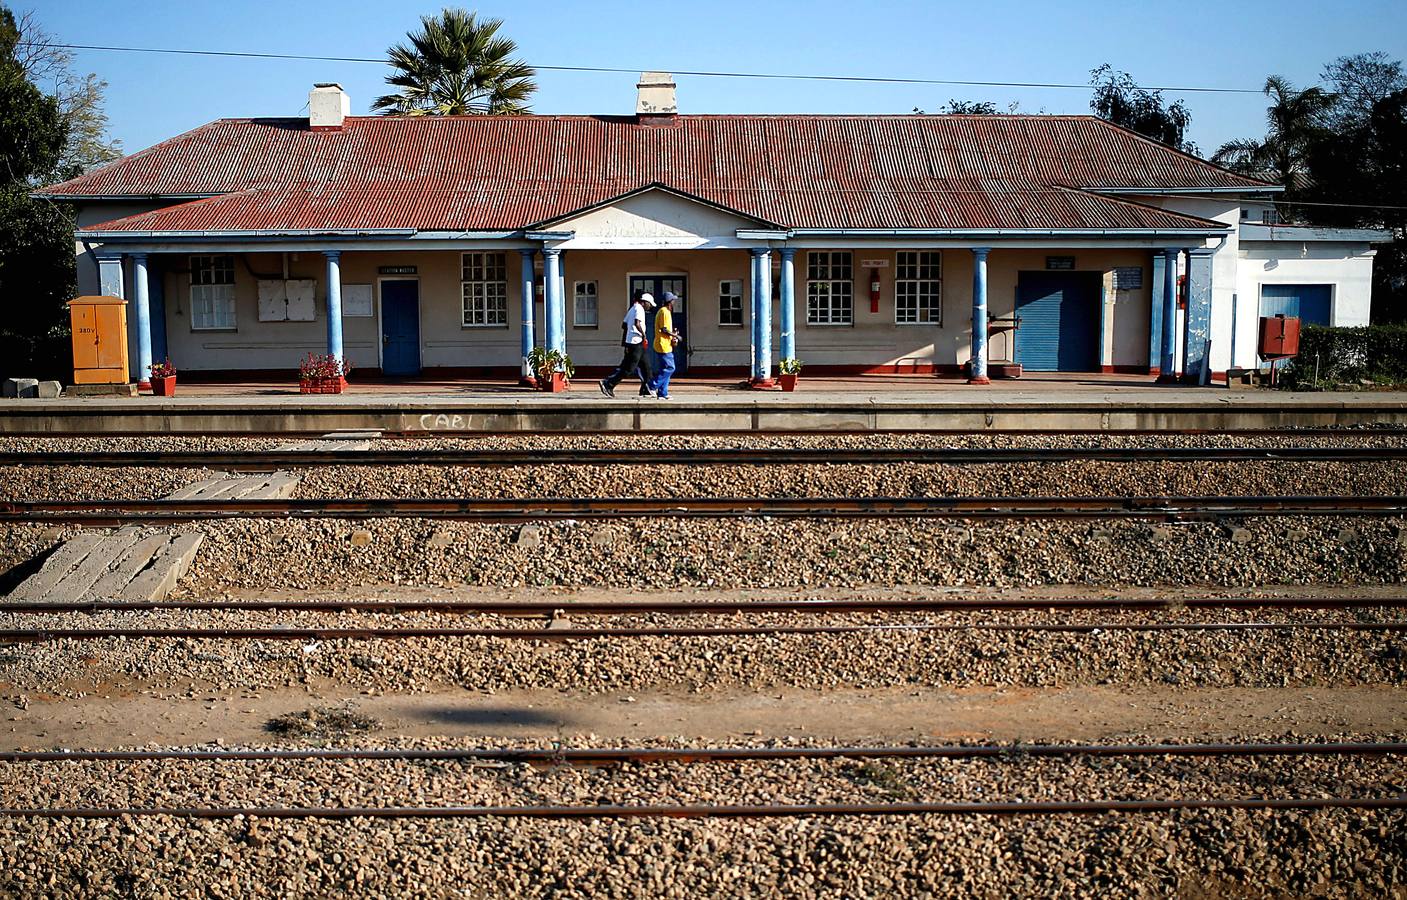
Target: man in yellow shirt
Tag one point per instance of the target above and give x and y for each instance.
(666, 338)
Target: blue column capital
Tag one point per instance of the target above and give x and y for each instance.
(333, 255)
(787, 253)
(981, 252)
(1170, 253)
(552, 251)
(759, 252)
(528, 252)
(138, 257)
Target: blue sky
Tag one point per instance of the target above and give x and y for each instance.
(152, 97)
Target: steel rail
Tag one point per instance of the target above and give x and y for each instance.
(594, 756)
(1033, 808)
(112, 512)
(705, 607)
(265, 460)
(36, 635)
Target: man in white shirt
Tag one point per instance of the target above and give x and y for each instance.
(635, 358)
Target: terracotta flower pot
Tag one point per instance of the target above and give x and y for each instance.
(788, 382)
(556, 384)
(322, 385)
(163, 386)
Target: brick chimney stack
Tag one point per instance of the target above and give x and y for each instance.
(654, 104)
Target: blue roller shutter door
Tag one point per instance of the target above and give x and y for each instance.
(1059, 314)
(1312, 303)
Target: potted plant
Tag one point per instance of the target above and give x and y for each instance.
(789, 369)
(553, 368)
(163, 379)
(322, 374)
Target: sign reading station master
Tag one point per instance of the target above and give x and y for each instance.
(395, 270)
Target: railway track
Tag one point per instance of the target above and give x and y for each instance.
(265, 460)
(37, 635)
(599, 757)
(708, 607)
(119, 512)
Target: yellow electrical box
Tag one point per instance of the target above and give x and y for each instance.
(99, 340)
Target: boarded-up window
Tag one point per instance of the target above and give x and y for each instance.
(289, 300)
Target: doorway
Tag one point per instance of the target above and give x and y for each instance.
(1059, 315)
(400, 327)
(656, 286)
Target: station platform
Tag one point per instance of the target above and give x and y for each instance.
(854, 404)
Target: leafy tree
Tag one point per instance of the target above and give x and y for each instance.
(968, 108)
(1357, 178)
(1295, 121)
(1359, 82)
(1119, 100)
(457, 65)
(36, 236)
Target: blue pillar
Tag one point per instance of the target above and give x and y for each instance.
(788, 302)
(552, 306)
(334, 303)
(754, 288)
(1155, 315)
(143, 315)
(527, 286)
(979, 316)
(1167, 360)
(762, 272)
(1196, 352)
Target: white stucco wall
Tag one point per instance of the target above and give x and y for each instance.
(1347, 267)
(1224, 266)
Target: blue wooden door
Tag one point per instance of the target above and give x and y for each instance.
(1310, 302)
(656, 285)
(400, 327)
(1059, 313)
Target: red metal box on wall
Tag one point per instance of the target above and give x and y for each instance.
(1279, 336)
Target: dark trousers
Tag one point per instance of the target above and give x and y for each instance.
(634, 361)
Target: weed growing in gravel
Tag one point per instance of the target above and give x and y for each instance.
(322, 721)
(884, 777)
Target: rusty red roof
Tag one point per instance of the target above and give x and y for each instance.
(506, 173)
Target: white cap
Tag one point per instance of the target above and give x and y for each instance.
(648, 299)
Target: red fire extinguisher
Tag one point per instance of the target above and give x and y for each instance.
(874, 290)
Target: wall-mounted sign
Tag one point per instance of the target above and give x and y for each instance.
(1128, 278)
(395, 270)
(1060, 262)
(874, 263)
(356, 301)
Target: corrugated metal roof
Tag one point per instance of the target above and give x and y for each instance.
(494, 173)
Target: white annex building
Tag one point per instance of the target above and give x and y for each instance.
(973, 246)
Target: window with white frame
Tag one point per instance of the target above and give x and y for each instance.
(830, 288)
(212, 293)
(730, 303)
(485, 284)
(918, 288)
(586, 312)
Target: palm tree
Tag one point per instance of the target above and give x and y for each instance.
(456, 65)
(1294, 120)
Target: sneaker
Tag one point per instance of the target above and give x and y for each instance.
(606, 388)
(662, 397)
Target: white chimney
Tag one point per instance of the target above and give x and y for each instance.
(328, 105)
(654, 103)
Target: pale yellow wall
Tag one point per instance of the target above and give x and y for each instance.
(874, 339)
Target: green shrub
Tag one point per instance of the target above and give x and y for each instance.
(1329, 357)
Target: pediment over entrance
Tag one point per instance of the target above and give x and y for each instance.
(654, 218)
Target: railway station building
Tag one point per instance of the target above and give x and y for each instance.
(450, 246)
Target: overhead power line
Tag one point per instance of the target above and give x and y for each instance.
(866, 79)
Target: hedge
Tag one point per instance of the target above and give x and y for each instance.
(1328, 357)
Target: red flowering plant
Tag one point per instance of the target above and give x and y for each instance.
(163, 369)
(317, 367)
